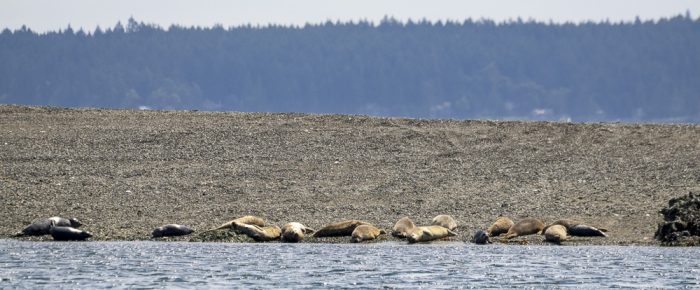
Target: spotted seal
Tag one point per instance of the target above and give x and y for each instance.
(64, 233)
(42, 227)
(171, 230)
(481, 237)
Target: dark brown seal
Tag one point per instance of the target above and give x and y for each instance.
(342, 228)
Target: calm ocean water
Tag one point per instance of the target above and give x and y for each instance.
(379, 265)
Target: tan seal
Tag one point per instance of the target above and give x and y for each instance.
(294, 232)
(257, 233)
(429, 233)
(365, 233)
(403, 228)
(445, 221)
(500, 226)
(248, 219)
(555, 234)
(528, 226)
(342, 228)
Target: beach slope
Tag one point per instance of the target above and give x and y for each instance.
(125, 172)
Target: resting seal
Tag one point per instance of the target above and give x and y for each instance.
(528, 226)
(42, 227)
(555, 234)
(500, 226)
(429, 233)
(171, 230)
(61, 233)
(248, 219)
(403, 228)
(365, 233)
(294, 232)
(578, 229)
(445, 221)
(342, 228)
(481, 237)
(257, 233)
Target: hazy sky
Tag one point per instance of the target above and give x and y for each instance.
(43, 15)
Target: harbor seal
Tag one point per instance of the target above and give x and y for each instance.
(429, 233)
(294, 232)
(500, 226)
(342, 228)
(42, 227)
(481, 237)
(555, 234)
(63, 233)
(445, 221)
(365, 233)
(248, 219)
(582, 230)
(528, 226)
(257, 233)
(578, 229)
(171, 230)
(403, 228)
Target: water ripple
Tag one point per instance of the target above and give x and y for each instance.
(382, 265)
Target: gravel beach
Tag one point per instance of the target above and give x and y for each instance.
(125, 172)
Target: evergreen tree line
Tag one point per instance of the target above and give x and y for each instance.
(640, 71)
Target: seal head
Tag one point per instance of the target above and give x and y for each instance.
(481, 237)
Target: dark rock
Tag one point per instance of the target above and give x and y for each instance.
(681, 226)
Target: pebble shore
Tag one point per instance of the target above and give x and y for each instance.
(125, 172)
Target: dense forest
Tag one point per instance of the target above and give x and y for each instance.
(632, 71)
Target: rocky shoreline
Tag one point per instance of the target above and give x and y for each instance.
(125, 172)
